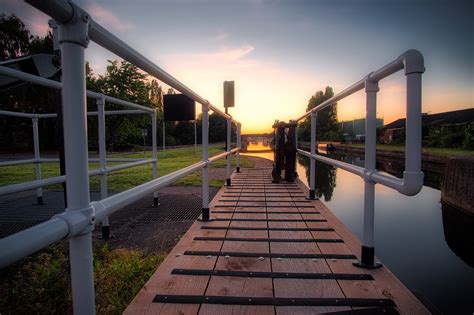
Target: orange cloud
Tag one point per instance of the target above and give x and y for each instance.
(107, 18)
(35, 20)
(265, 90)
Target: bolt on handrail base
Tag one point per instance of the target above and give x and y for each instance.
(205, 215)
(367, 260)
(105, 233)
(312, 195)
(40, 201)
(156, 202)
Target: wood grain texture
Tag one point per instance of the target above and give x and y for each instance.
(253, 191)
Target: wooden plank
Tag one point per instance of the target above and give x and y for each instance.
(241, 286)
(162, 282)
(213, 309)
(279, 198)
(300, 287)
(386, 284)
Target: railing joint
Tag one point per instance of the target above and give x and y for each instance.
(413, 61)
(79, 222)
(370, 84)
(76, 29)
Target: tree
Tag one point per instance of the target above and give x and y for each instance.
(125, 81)
(327, 127)
(16, 41)
(325, 175)
(14, 37)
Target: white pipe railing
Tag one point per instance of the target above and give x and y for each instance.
(38, 183)
(412, 181)
(228, 148)
(58, 86)
(239, 146)
(77, 222)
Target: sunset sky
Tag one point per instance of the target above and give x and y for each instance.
(279, 53)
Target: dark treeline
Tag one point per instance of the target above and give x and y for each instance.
(121, 80)
(327, 127)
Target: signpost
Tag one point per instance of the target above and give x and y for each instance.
(144, 134)
(229, 99)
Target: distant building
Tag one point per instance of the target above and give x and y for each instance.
(355, 129)
(390, 131)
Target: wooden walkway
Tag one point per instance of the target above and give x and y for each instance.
(270, 251)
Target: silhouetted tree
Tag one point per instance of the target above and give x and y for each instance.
(327, 127)
(325, 177)
(14, 37)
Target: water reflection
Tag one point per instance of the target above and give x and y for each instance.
(258, 146)
(429, 247)
(325, 177)
(458, 229)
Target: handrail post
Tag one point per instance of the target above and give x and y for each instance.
(368, 250)
(312, 167)
(195, 137)
(36, 148)
(229, 160)
(156, 202)
(413, 123)
(239, 146)
(205, 158)
(105, 226)
(296, 147)
(73, 39)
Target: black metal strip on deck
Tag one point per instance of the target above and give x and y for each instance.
(264, 186)
(229, 195)
(265, 274)
(270, 220)
(262, 189)
(261, 239)
(265, 229)
(367, 311)
(244, 200)
(234, 191)
(233, 300)
(270, 255)
(262, 206)
(265, 212)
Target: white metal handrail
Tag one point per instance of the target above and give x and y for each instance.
(26, 77)
(412, 182)
(77, 222)
(39, 183)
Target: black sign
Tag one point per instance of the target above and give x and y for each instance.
(178, 107)
(229, 94)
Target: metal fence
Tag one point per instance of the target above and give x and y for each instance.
(412, 182)
(103, 169)
(76, 29)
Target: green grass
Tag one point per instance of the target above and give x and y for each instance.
(172, 160)
(439, 151)
(40, 284)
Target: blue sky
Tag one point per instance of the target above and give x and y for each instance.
(281, 52)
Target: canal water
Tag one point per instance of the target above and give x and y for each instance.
(429, 246)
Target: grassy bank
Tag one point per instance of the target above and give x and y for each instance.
(40, 284)
(437, 151)
(168, 162)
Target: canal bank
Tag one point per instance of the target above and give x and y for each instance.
(429, 155)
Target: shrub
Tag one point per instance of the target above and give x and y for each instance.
(40, 284)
